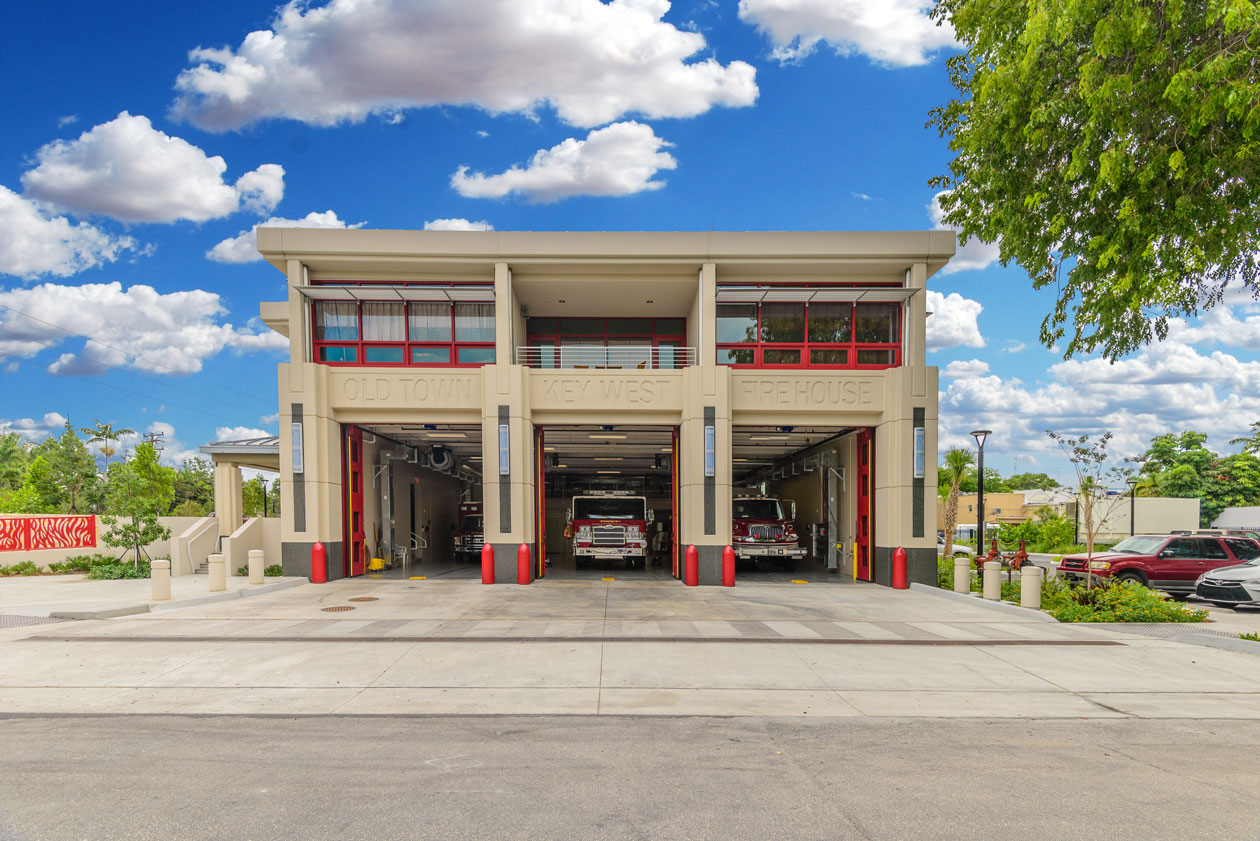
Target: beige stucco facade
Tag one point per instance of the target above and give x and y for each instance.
(604, 274)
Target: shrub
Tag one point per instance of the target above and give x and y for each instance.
(1124, 601)
(1252, 637)
(21, 568)
(273, 570)
(74, 564)
(109, 572)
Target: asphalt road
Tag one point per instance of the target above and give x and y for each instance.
(560, 778)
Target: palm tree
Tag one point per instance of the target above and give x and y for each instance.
(956, 468)
(102, 434)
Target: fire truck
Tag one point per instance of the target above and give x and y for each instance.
(607, 526)
(761, 530)
(470, 532)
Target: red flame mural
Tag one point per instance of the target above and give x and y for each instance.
(30, 534)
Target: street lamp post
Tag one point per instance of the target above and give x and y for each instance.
(1132, 483)
(980, 435)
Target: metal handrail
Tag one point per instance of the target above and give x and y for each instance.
(623, 357)
(213, 521)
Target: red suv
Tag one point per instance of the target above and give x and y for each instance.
(1169, 562)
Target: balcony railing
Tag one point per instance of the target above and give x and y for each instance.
(631, 357)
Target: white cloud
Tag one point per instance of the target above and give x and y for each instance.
(593, 62)
(617, 160)
(37, 243)
(890, 32)
(953, 321)
(974, 255)
(130, 171)
(270, 419)
(457, 225)
(243, 248)
(240, 433)
(67, 120)
(32, 429)
(139, 328)
(1014, 347)
(173, 451)
(965, 368)
(1168, 387)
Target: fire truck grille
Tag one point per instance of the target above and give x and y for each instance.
(475, 540)
(608, 535)
(765, 532)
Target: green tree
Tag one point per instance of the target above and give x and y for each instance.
(1031, 481)
(64, 472)
(15, 454)
(956, 468)
(1090, 461)
(253, 493)
(1112, 149)
(1233, 481)
(103, 434)
(194, 488)
(140, 490)
(1251, 443)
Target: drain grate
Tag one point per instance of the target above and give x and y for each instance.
(337, 608)
(364, 599)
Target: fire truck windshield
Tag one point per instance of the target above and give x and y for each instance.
(609, 508)
(471, 523)
(757, 509)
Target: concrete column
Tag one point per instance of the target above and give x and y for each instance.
(256, 564)
(508, 499)
(1030, 586)
(218, 574)
(227, 497)
(993, 580)
(705, 503)
(962, 575)
(160, 579)
(905, 506)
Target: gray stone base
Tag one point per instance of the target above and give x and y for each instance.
(295, 559)
(920, 565)
(505, 563)
(710, 565)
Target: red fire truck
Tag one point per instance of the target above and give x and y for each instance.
(469, 532)
(762, 530)
(609, 526)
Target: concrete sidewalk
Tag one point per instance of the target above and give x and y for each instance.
(49, 595)
(455, 647)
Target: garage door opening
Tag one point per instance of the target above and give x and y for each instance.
(802, 507)
(607, 501)
(411, 500)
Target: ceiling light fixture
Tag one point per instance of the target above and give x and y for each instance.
(608, 458)
(619, 437)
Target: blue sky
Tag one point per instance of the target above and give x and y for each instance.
(141, 148)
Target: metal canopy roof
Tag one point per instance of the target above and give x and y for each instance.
(461, 292)
(846, 294)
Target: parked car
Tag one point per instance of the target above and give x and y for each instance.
(959, 549)
(1231, 586)
(1169, 562)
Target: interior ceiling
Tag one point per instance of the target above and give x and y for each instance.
(615, 450)
(463, 440)
(756, 448)
(634, 296)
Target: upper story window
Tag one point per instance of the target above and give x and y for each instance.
(607, 342)
(397, 333)
(809, 335)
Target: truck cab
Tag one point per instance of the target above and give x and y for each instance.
(609, 526)
(762, 529)
(469, 532)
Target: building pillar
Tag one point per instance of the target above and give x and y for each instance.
(228, 505)
(507, 486)
(905, 506)
(705, 500)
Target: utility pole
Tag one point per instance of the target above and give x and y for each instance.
(155, 438)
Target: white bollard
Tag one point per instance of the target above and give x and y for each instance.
(962, 575)
(218, 574)
(256, 566)
(160, 579)
(993, 580)
(1030, 586)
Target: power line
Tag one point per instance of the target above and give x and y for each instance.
(119, 350)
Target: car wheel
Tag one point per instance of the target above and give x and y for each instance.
(1132, 576)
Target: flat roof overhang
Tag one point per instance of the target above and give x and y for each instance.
(258, 453)
(473, 253)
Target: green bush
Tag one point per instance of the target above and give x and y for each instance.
(273, 570)
(20, 568)
(1252, 637)
(116, 570)
(1123, 601)
(74, 563)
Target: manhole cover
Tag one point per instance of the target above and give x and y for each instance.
(364, 599)
(337, 608)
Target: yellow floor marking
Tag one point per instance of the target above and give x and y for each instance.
(607, 579)
(418, 577)
(799, 581)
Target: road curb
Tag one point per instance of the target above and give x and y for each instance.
(109, 613)
(177, 604)
(1008, 608)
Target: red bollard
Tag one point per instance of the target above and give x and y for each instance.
(523, 566)
(900, 575)
(487, 564)
(728, 567)
(692, 572)
(319, 564)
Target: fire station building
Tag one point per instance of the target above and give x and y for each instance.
(430, 371)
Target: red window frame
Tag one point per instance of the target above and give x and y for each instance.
(360, 346)
(852, 347)
(601, 337)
